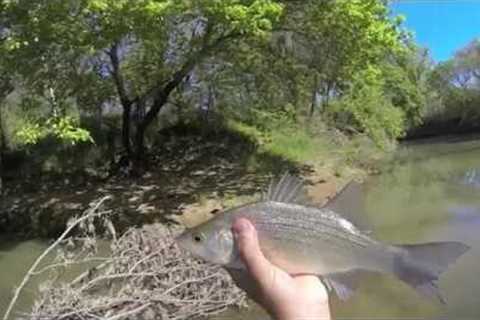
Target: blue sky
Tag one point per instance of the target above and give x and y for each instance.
(444, 26)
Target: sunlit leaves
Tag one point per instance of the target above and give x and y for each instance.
(246, 17)
(66, 129)
(352, 33)
(31, 133)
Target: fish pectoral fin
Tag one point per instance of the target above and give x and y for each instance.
(344, 284)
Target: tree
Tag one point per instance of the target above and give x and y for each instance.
(342, 38)
(458, 83)
(6, 88)
(406, 77)
(145, 49)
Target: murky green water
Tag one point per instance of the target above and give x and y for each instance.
(15, 259)
(430, 192)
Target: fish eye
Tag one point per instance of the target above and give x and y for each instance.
(197, 238)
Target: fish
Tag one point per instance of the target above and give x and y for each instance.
(304, 239)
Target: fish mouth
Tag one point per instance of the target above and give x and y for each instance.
(180, 241)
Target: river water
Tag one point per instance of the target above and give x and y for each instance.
(428, 192)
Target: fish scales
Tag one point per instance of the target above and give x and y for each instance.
(316, 225)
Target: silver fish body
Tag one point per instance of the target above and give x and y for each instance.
(303, 239)
(308, 240)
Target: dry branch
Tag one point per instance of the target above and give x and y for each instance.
(143, 276)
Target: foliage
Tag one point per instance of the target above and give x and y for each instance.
(362, 32)
(132, 52)
(267, 64)
(406, 83)
(311, 62)
(457, 82)
(367, 108)
(66, 129)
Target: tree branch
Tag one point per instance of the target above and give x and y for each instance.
(117, 75)
(161, 93)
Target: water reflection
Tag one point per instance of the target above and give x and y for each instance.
(471, 178)
(420, 200)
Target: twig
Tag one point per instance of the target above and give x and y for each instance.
(117, 276)
(129, 313)
(64, 264)
(31, 272)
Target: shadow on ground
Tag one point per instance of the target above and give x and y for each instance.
(188, 166)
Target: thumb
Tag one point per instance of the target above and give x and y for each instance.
(249, 249)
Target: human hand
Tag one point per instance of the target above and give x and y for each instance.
(284, 296)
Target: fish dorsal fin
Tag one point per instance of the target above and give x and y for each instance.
(348, 203)
(288, 189)
(341, 196)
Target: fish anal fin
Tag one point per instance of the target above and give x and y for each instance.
(344, 284)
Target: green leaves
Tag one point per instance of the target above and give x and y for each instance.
(366, 107)
(245, 17)
(344, 51)
(66, 46)
(31, 133)
(65, 129)
(457, 82)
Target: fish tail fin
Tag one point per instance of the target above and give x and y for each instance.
(420, 265)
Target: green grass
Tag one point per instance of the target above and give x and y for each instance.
(313, 145)
(296, 145)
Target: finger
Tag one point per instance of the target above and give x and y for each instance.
(249, 249)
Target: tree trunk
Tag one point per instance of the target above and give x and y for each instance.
(140, 144)
(328, 91)
(123, 95)
(126, 122)
(158, 103)
(313, 104)
(161, 94)
(2, 149)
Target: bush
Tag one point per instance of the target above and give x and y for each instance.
(365, 108)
